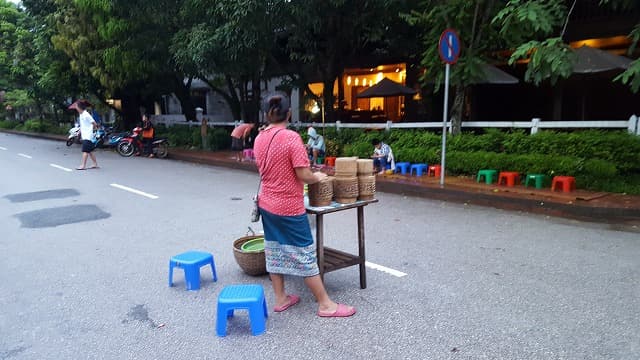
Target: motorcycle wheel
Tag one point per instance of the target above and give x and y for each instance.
(70, 142)
(162, 150)
(125, 148)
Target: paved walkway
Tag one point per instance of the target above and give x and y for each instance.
(616, 209)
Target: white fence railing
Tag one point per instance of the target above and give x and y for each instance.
(632, 125)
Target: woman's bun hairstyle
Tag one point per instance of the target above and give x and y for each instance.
(276, 106)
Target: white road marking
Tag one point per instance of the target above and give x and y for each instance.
(138, 192)
(60, 167)
(384, 269)
(3, 148)
(25, 156)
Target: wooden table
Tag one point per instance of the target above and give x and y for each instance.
(331, 259)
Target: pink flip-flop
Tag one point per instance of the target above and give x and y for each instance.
(293, 299)
(341, 311)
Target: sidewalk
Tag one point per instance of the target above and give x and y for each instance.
(622, 211)
(618, 210)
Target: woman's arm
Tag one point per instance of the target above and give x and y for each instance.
(307, 176)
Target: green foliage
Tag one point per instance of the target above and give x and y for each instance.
(549, 59)
(8, 124)
(219, 138)
(600, 160)
(631, 76)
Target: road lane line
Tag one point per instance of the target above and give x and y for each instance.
(384, 269)
(3, 148)
(138, 192)
(24, 155)
(59, 167)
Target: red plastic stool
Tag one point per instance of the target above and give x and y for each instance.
(511, 178)
(330, 161)
(434, 170)
(568, 183)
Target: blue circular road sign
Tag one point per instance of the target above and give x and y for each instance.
(449, 46)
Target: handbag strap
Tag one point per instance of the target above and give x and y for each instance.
(268, 146)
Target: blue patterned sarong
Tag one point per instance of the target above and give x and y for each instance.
(288, 245)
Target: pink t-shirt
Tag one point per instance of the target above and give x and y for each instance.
(281, 192)
(240, 130)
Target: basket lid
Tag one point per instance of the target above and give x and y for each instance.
(253, 245)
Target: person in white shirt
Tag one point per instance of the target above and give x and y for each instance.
(315, 145)
(87, 127)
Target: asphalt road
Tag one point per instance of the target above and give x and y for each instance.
(84, 263)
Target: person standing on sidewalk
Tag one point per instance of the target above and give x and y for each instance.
(148, 134)
(238, 137)
(87, 128)
(283, 164)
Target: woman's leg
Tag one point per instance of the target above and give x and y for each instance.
(325, 304)
(277, 282)
(383, 163)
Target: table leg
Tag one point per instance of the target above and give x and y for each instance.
(363, 270)
(320, 243)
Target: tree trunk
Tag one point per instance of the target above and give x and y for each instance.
(183, 93)
(254, 105)
(456, 110)
(230, 96)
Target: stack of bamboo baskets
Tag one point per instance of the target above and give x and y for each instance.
(346, 180)
(366, 179)
(354, 180)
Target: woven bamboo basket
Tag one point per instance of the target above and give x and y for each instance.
(345, 189)
(252, 263)
(346, 166)
(365, 166)
(366, 187)
(321, 193)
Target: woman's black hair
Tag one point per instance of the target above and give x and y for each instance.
(375, 142)
(276, 106)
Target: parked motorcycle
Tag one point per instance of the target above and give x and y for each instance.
(132, 144)
(74, 135)
(112, 140)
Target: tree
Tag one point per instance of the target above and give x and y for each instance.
(324, 36)
(120, 54)
(231, 47)
(484, 28)
(631, 76)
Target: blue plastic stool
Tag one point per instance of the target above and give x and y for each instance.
(191, 262)
(419, 168)
(403, 167)
(249, 297)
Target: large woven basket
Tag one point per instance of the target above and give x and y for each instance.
(345, 189)
(365, 166)
(321, 193)
(252, 263)
(346, 166)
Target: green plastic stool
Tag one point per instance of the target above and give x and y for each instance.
(538, 180)
(490, 175)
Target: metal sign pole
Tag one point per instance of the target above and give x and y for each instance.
(444, 122)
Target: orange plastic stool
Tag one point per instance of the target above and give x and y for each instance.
(330, 161)
(511, 178)
(434, 170)
(568, 183)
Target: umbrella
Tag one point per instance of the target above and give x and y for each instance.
(493, 75)
(386, 88)
(592, 60)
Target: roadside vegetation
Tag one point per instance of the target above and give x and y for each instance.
(601, 160)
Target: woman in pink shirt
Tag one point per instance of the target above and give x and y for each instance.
(283, 164)
(238, 138)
